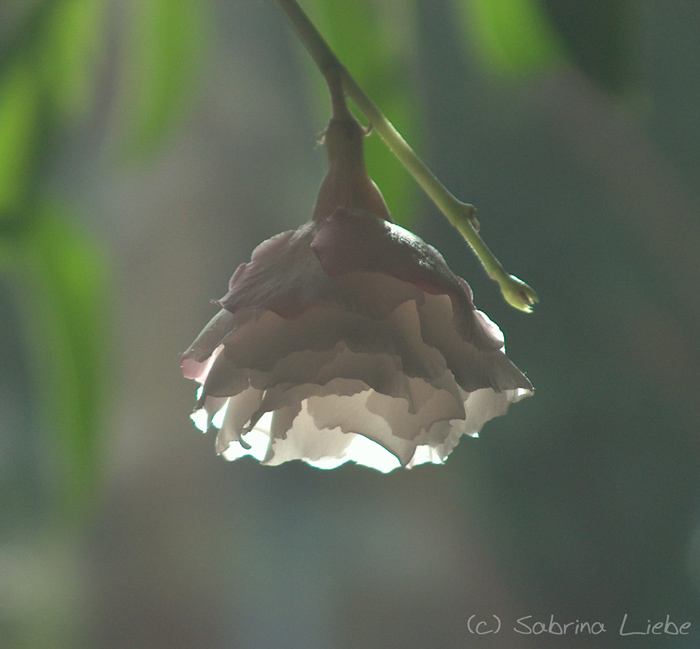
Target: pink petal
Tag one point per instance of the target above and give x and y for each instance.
(282, 276)
(349, 242)
(197, 360)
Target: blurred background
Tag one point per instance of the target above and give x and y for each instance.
(147, 146)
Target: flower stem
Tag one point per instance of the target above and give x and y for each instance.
(461, 215)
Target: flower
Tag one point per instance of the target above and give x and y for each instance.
(349, 339)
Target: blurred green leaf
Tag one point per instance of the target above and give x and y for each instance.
(19, 130)
(72, 40)
(521, 37)
(165, 46)
(376, 41)
(513, 37)
(62, 299)
(601, 37)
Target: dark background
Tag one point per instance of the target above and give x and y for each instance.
(582, 503)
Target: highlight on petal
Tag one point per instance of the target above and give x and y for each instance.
(305, 431)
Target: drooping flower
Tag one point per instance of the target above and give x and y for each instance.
(349, 339)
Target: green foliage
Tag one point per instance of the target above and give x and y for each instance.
(518, 38)
(165, 43)
(376, 41)
(50, 57)
(69, 49)
(513, 37)
(63, 284)
(19, 123)
(47, 78)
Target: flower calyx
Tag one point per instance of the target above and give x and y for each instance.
(347, 183)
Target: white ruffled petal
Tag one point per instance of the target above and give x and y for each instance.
(239, 411)
(365, 427)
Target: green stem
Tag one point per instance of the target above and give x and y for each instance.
(461, 215)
